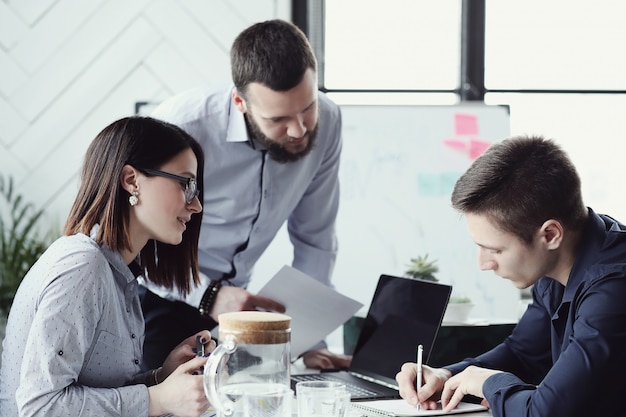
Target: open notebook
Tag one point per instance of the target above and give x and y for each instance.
(400, 408)
(403, 314)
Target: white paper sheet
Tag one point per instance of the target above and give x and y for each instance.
(315, 309)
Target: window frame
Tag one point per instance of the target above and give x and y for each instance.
(309, 16)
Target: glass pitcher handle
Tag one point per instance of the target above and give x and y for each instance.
(212, 369)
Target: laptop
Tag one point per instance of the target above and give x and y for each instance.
(403, 314)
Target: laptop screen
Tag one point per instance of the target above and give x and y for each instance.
(403, 314)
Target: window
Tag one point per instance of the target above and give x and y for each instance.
(555, 45)
(391, 45)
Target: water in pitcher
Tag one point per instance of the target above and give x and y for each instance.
(255, 400)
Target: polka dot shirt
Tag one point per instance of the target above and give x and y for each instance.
(74, 337)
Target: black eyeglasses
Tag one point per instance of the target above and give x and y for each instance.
(191, 186)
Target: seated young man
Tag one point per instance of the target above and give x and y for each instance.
(524, 210)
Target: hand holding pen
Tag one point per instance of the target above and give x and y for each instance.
(432, 383)
(199, 344)
(179, 388)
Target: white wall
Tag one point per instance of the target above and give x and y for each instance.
(70, 67)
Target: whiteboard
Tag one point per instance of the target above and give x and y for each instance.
(399, 165)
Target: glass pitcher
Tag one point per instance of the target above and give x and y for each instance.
(254, 348)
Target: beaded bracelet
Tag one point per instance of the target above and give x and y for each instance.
(208, 299)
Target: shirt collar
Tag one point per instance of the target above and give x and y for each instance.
(237, 131)
(590, 245)
(114, 258)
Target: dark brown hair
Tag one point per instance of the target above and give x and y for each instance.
(141, 142)
(274, 53)
(520, 183)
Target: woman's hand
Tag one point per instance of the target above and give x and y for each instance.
(185, 351)
(182, 392)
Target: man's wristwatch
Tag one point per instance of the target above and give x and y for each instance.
(208, 299)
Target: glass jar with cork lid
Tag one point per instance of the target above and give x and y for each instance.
(253, 349)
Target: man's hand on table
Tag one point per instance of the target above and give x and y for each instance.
(325, 359)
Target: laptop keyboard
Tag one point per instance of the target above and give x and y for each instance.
(354, 390)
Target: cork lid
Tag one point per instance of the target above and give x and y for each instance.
(255, 326)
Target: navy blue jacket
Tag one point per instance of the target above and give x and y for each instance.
(567, 354)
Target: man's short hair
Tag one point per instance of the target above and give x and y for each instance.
(274, 53)
(520, 183)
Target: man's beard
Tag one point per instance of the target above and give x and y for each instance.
(277, 150)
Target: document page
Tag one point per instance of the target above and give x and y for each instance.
(315, 309)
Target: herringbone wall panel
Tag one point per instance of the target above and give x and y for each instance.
(70, 67)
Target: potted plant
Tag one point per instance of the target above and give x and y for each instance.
(459, 307)
(20, 242)
(422, 268)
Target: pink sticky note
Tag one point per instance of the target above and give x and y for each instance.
(455, 144)
(477, 147)
(465, 124)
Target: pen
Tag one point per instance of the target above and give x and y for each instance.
(418, 381)
(199, 346)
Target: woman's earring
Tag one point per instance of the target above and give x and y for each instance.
(133, 200)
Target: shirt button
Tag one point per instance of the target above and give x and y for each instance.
(133, 335)
(136, 361)
(128, 309)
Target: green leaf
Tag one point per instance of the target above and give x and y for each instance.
(21, 243)
(421, 268)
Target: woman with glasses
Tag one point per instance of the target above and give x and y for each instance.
(74, 338)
